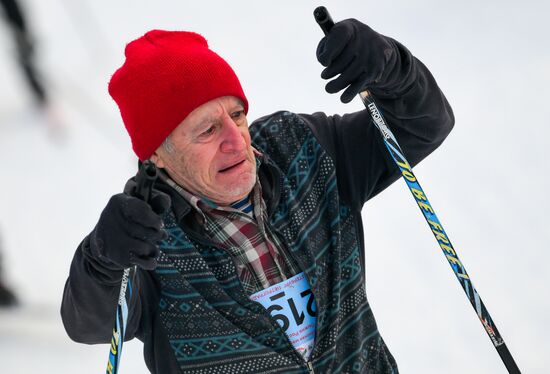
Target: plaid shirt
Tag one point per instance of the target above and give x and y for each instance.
(258, 254)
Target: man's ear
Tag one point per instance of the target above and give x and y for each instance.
(157, 159)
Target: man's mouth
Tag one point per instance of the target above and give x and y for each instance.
(233, 166)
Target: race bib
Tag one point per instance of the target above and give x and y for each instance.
(292, 305)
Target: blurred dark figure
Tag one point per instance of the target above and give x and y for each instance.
(25, 48)
(25, 55)
(7, 297)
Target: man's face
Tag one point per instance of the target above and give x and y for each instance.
(209, 153)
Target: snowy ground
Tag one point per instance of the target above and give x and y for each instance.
(488, 182)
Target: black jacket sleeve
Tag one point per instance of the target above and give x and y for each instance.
(417, 113)
(88, 308)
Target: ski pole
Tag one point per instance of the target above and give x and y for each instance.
(325, 21)
(145, 178)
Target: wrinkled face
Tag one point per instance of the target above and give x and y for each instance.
(209, 153)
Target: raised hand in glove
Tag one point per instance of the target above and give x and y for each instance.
(359, 54)
(129, 229)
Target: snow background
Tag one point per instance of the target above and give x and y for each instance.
(487, 182)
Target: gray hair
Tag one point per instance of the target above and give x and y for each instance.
(168, 145)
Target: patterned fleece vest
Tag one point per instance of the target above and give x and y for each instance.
(212, 325)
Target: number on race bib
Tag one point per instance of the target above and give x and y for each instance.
(292, 305)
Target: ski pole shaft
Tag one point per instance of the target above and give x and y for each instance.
(145, 178)
(119, 330)
(325, 21)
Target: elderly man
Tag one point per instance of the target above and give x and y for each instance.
(250, 252)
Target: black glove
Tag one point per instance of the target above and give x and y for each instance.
(128, 230)
(359, 54)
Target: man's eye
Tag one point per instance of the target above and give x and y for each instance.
(208, 131)
(237, 114)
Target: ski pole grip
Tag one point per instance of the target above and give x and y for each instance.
(323, 18)
(145, 178)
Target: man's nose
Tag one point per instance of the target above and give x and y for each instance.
(233, 140)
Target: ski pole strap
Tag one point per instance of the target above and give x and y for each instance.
(324, 20)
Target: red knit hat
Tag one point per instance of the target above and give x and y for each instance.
(166, 75)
